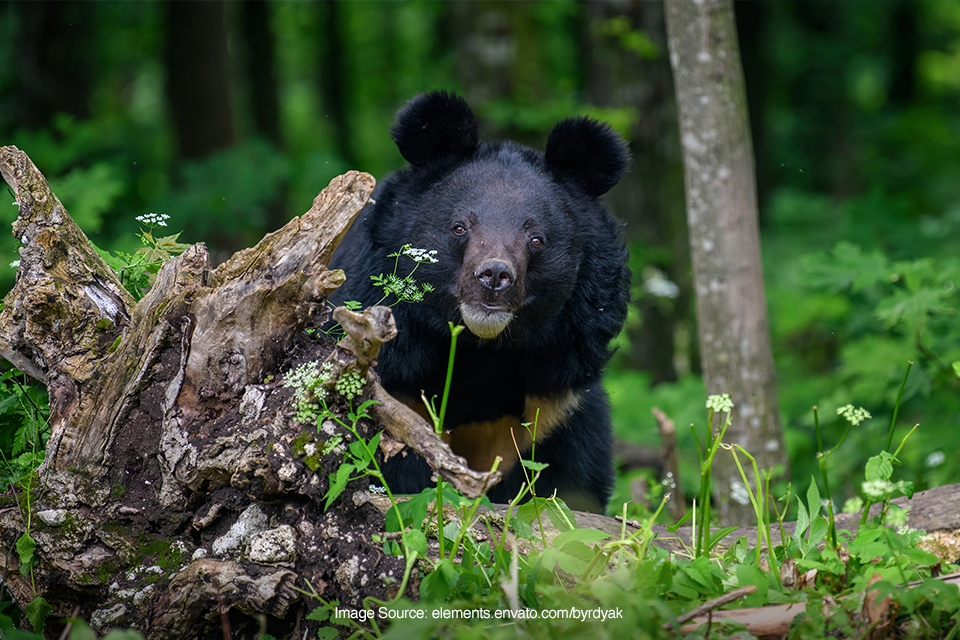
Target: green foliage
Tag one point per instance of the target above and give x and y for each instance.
(136, 270)
(80, 630)
(24, 426)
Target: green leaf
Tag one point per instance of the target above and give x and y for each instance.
(560, 515)
(359, 451)
(880, 467)
(8, 403)
(818, 531)
(80, 630)
(437, 585)
(123, 634)
(321, 614)
(416, 541)
(534, 466)
(528, 511)
(583, 536)
(720, 534)
(574, 557)
(327, 633)
(748, 574)
(521, 528)
(921, 557)
(803, 523)
(913, 307)
(25, 549)
(338, 482)
(36, 612)
(813, 500)
(846, 267)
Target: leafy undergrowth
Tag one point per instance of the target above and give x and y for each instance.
(476, 583)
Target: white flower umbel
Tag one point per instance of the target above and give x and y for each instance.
(153, 219)
(420, 255)
(854, 415)
(720, 403)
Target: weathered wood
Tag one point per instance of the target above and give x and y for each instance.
(176, 481)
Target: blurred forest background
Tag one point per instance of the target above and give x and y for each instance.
(231, 116)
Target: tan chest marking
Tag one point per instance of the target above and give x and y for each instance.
(481, 442)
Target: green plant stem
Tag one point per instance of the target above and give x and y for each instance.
(706, 471)
(438, 505)
(468, 520)
(454, 332)
(893, 424)
(756, 501)
(896, 406)
(822, 461)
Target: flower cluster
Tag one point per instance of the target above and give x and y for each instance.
(854, 415)
(420, 255)
(153, 219)
(720, 403)
(307, 382)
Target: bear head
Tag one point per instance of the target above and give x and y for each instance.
(511, 224)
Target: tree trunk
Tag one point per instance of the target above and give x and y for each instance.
(259, 50)
(195, 56)
(724, 236)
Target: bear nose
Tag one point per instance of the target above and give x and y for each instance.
(495, 275)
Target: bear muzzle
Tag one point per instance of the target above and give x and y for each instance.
(483, 321)
(490, 290)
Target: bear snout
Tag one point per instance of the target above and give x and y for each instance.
(495, 275)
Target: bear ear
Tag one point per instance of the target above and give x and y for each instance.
(435, 126)
(588, 153)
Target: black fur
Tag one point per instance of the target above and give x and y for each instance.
(539, 216)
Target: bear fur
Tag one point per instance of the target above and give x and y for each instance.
(528, 258)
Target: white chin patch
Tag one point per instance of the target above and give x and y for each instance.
(484, 324)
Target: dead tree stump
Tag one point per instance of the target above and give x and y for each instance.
(175, 486)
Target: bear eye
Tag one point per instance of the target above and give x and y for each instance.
(536, 241)
(459, 229)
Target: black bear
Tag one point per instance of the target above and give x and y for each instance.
(522, 252)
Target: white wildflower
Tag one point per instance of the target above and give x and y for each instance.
(153, 219)
(720, 403)
(420, 255)
(854, 415)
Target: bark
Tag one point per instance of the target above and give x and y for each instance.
(724, 236)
